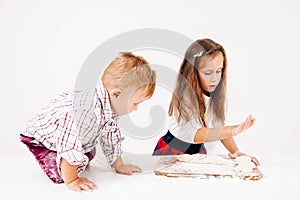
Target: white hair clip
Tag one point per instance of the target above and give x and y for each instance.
(198, 54)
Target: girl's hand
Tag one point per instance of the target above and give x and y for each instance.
(127, 169)
(250, 120)
(82, 184)
(238, 153)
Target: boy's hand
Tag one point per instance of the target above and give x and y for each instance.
(127, 169)
(250, 120)
(122, 168)
(82, 184)
(71, 179)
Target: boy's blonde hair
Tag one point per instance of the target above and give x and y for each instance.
(128, 71)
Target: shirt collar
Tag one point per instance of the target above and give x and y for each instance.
(206, 99)
(103, 104)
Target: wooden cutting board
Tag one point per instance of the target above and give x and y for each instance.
(173, 167)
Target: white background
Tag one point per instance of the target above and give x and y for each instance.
(44, 43)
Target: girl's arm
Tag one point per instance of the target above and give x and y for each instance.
(212, 134)
(71, 179)
(230, 145)
(226, 134)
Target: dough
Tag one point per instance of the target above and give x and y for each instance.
(244, 164)
(204, 159)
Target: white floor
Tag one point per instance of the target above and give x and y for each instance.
(23, 179)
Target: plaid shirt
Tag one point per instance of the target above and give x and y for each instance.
(73, 123)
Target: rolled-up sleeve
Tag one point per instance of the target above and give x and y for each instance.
(110, 141)
(68, 144)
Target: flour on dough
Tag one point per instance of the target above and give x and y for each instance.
(244, 164)
(204, 159)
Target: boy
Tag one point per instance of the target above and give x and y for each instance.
(64, 134)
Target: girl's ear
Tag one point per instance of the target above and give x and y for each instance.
(116, 92)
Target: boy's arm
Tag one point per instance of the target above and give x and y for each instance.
(118, 163)
(71, 179)
(68, 172)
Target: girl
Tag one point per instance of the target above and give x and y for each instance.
(197, 107)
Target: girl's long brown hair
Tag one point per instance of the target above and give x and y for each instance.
(187, 100)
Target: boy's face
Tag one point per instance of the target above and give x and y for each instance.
(126, 101)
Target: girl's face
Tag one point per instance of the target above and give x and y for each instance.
(210, 70)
